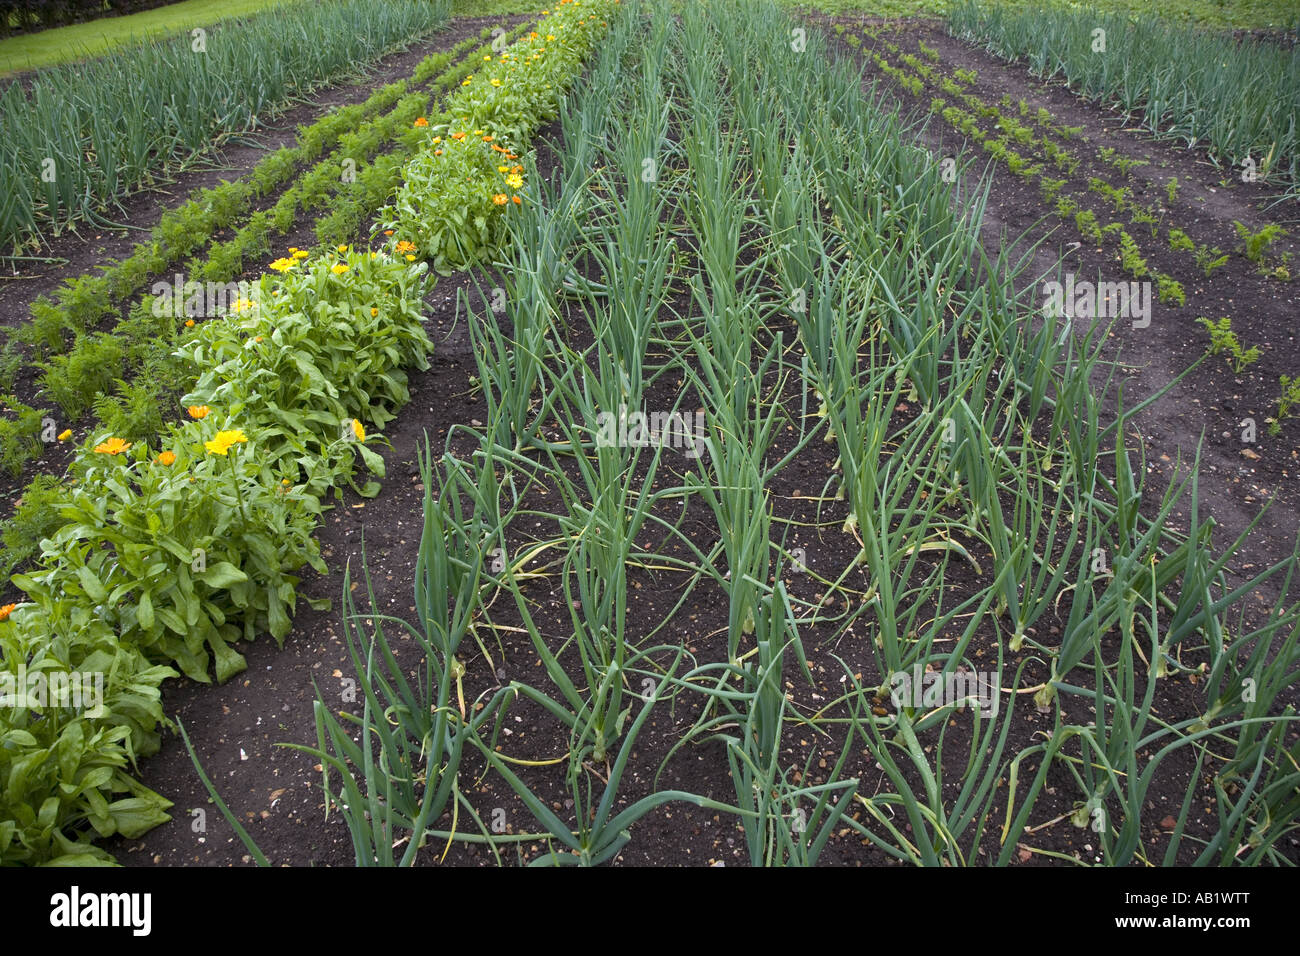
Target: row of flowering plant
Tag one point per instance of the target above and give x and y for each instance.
(458, 190)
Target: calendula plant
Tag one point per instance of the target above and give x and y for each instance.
(322, 345)
(457, 191)
(78, 708)
(183, 550)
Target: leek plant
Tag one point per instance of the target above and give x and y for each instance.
(419, 727)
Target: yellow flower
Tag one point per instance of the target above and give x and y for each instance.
(495, 81)
(359, 430)
(293, 248)
(300, 254)
(515, 181)
(167, 458)
(464, 82)
(224, 441)
(282, 265)
(339, 268)
(500, 199)
(437, 140)
(114, 446)
(343, 248)
(550, 37)
(198, 411)
(373, 313)
(65, 434)
(503, 169)
(487, 56)
(410, 258)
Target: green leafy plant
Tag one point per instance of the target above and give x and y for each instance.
(1050, 187)
(183, 553)
(1130, 258)
(1086, 223)
(1289, 398)
(1256, 246)
(1207, 259)
(67, 757)
(19, 435)
(1180, 241)
(1170, 290)
(1224, 339)
(36, 516)
(322, 344)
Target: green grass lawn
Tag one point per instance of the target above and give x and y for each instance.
(81, 40)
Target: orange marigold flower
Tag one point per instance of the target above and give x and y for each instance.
(388, 232)
(500, 199)
(198, 411)
(6, 611)
(114, 446)
(421, 122)
(517, 200)
(167, 458)
(437, 152)
(406, 246)
(189, 323)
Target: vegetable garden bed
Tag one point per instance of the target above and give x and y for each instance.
(748, 503)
